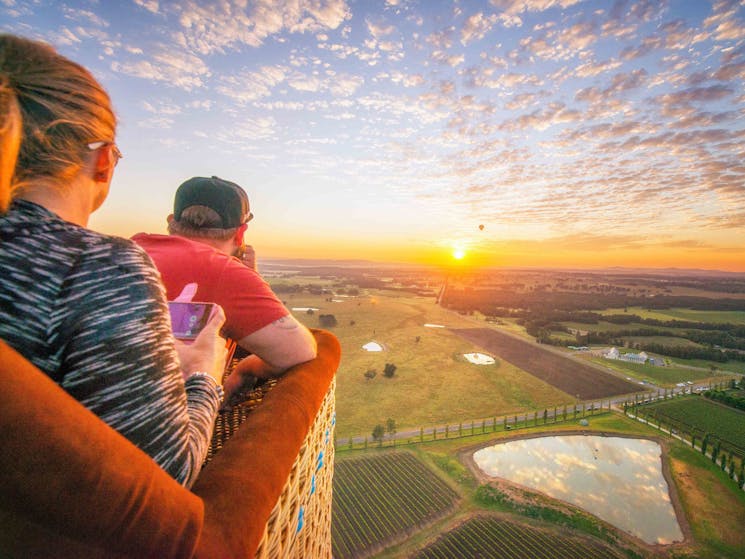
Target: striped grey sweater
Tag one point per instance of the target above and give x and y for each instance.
(89, 310)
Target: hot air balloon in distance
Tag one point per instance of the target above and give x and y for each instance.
(481, 227)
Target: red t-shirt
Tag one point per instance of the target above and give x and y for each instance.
(248, 301)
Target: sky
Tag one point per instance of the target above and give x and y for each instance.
(578, 133)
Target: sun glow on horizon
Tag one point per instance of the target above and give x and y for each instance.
(459, 253)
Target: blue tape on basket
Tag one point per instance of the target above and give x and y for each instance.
(319, 461)
(328, 432)
(300, 520)
(313, 484)
(333, 419)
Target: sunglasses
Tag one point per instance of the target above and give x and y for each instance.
(98, 145)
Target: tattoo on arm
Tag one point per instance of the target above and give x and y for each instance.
(286, 323)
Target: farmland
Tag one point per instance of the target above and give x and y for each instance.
(667, 376)
(433, 383)
(379, 499)
(492, 536)
(713, 317)
(711, 501)
(567, 375)
(725, 423)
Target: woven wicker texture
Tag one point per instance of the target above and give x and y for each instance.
(229, 420)
(300, 524)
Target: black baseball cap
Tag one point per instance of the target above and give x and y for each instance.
(226, 198)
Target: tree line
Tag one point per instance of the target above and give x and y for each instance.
(497, 301)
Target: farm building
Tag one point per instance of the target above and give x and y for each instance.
(613, 353)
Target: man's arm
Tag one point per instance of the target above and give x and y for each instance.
(276, 347)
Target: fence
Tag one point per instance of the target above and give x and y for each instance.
(559, 414)
(728, 455)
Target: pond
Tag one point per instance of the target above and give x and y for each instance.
(617, 479)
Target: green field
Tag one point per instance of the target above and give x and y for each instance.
(433, 383)
(380, 498)
(605, 326)
(723, 368)
(662, 376)
(718, 317)
(711, 502)
(664, 340)
(487, 536)
(726, 423)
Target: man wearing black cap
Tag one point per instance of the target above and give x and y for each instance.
(207, 227)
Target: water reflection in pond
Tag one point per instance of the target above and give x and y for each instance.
(617, 479)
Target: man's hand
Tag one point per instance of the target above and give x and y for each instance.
(248, 257)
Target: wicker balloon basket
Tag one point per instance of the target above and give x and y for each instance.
(300, 523)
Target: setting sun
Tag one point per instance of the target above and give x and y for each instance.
(459, 253)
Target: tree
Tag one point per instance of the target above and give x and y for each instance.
(378, 432)
(327, 320)
(390, 370)
(370, 374)
(390, 426)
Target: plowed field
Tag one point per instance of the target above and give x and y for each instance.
(566, 374)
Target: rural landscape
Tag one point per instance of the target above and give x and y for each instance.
(560, 356)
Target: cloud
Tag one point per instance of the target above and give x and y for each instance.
(150, 5)
(695, 95)
(250, 86)
(156, 122)
(517, 7)
(161, 107)
(345, 85)
(407, 80)
(86, 16)
(179, 69)
(591, 69)
(446, 59)
(725, 24)
(244, 131)
(64, 36)
(210, 27)
(476, 27)
(378, 31)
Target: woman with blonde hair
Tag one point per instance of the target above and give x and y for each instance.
(86, 308)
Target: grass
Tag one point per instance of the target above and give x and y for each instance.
(605, 326)
(722, 368)
(718, 317)
(381, 497)
(664, 340)
(661, 376)
(713, 505)
(433, 383)
(726, 423)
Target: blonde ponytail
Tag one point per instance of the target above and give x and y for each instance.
(51, 108)
(10, 141)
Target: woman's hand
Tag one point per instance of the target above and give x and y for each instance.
(208, 352)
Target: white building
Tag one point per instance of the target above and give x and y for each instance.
(613, 353)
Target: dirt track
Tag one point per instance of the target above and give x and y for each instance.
(566, 374)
